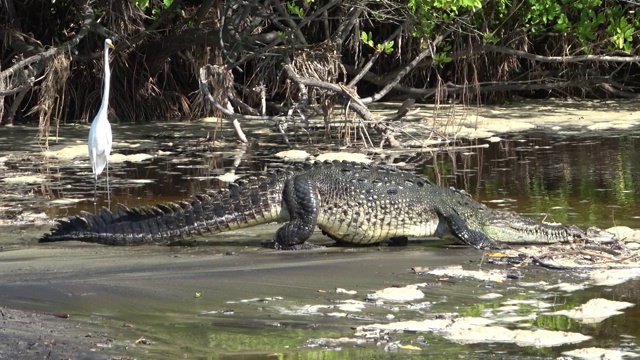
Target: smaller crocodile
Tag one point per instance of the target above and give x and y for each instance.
(350, 202)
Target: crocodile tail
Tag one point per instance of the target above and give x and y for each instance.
(170, 221)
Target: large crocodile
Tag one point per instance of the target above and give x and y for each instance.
(349, 202)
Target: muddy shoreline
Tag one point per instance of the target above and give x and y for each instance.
(74, 300)
(230, 295)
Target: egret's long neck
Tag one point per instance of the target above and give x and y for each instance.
(107, 81)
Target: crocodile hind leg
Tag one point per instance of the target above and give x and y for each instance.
(461, 231)
(301, 200)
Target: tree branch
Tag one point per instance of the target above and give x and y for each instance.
(84, 29)
(357, 106)
(556, 59)
(375, 56)
(402, 73)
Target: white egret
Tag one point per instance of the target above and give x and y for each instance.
(100, 133)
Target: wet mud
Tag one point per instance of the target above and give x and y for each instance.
(230, 297)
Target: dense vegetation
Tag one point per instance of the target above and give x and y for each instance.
(285, 61)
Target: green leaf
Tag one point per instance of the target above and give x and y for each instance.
(363, 36)
(142, 4)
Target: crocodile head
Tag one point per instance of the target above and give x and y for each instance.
(509, 227)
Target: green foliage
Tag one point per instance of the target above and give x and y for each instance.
(540, 13)
(386, 47)
(295, 9)
(590, 22)
(142, 4)
(442, 57)
(489, 38)
(428, 13)
(367, 38)
(155, 11)
(619, 30)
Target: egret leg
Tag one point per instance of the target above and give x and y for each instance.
(108, 191)
(95, 191)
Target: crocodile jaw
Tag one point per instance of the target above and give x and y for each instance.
(508, 227)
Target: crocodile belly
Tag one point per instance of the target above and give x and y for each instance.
(372, 230)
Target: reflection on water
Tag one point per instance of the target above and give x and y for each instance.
(589, 179)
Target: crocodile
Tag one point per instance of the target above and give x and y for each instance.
(350, 202)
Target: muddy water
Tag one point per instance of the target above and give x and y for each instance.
(231, 298)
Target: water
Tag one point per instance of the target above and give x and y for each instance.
(249, 295)
(586, 178)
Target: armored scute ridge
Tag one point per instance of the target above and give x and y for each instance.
(350, 202)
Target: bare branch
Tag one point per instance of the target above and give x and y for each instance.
(88, 22)
(402, 73)
(164, 15)
(375, 56)
(345, 27)
(227, 110)
(16, 90)
(525, 85)
(204, 89)
(557, 59)
(357, 106)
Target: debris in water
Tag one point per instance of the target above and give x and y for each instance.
(595, 310)
(594, 353)
(406, 293)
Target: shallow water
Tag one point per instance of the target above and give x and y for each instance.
(583, 177)
(231, 298)
(589, 179)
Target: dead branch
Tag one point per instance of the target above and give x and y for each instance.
(375, 56)
(557, 59)
(345, 27)
(164, 15)
(29, 83)
(356, 104)
(406, 69)
(606, 83)
(225, 108)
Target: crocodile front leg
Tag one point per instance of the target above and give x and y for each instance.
(461, 231)
(301, 200)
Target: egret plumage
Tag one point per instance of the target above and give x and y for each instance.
(100, 134)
